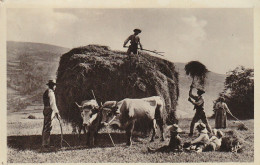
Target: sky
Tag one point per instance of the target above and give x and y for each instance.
(221, 39)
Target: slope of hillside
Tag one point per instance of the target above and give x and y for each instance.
(214, 85)
(41, 55)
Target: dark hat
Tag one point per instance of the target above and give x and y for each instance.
(137, 30)
(222, 99)
(201, 91)
(51, 82)
(220, 133)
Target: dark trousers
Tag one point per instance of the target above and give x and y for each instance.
(46, 131)
(199, 115)
(132, 48)
(164, 149)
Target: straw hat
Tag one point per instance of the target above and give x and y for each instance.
(174, 128)
(201, 126)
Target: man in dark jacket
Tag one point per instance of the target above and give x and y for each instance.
(134, 41)
(198, 103)
(49, 112)
(175, 141)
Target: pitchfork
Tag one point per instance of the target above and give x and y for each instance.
(152, 51)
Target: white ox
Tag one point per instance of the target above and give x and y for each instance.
(128, 111)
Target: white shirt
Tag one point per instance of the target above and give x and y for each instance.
(52, 101)
(203, 138)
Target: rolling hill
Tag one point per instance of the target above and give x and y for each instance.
(43, 55)
(48, 56)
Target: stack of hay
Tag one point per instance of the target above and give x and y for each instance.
(112, 76)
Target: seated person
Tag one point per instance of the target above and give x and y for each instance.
(175, 141)
(215, 141)
(200, 142)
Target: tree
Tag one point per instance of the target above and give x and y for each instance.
(239, 92)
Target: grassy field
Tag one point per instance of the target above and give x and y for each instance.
(24, 142)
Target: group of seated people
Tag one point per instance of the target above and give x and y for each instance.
(202, 143)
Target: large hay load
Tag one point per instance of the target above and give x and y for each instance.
(112, 76)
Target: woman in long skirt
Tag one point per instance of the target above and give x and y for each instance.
(221, 110)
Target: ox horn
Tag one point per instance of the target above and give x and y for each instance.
(78, 105)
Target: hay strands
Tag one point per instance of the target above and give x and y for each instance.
(239, 121)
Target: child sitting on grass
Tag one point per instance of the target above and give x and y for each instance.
(215, 141)
(200, 142)
(175, 141)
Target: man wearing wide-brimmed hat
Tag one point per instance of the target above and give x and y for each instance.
(175, 141)
(134, 41)
(198, 103)
(49, 112)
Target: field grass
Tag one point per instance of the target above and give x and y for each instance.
(24, 142)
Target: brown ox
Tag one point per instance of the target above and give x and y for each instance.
(91, 119)
(131, 110)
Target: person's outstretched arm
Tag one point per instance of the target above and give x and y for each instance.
(126, 41)
(141, 46)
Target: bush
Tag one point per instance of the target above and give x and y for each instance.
(239, 92)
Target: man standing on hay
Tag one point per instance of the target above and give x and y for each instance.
(134, 41)
(198, 103)
(49, 112)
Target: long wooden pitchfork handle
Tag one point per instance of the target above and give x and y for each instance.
(111, 139)
(61, 139)
(148, 51)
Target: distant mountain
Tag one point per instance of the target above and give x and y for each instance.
(214, 85)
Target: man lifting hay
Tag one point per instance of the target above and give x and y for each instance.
(197, 71)
(134, 42)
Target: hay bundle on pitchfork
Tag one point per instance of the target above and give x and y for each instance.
(198, 72)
